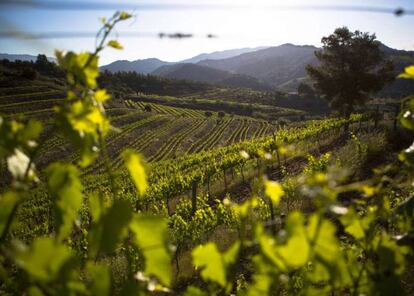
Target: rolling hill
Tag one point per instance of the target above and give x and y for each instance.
(144, 66)
(206, 74)
(22, 57)
(284, 66)
(280, 67)
(273, 65)
(218, 55)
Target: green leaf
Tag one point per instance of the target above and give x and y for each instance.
(7, 202)
(355, 229)
(124, 15)
(406, 116)
(96, 206)
(135, 166)
(353, 225)
(101, 279)
(43, 259)
(274, 191)
(115, 44)
(408, 73)
(150, 236)
(34, 291)
(230, 256)
(102, 96)
(330, 258)
(291, 255)
(261, 285)
(66, 190)
(31, 131)
(105, 236)
(193, 291)
(296, 252)
(209, 259)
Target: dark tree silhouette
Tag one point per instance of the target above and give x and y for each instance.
(352, 68)
(305, 90)
(221, 114)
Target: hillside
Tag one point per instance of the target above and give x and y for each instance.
(160, 127)
(274, 65)
(144, 66)
(284, 66)
(206, 74)
(218, 55)
(22, 57)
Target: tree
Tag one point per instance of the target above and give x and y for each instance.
(42, 62)
(352, 68)
(221, 114)
(29, 73)
(305, 90)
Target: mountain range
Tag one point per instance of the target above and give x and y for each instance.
(263, 68)
(260, 68)
(22, 57)
(279, 67)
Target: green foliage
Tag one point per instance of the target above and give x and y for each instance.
(150, 236)
(209, 259)
(352, 68)
(66, 191)
(213, 264)
(136, 169)
(8, 201)
(44, 260)
(317, 164)
(115, 44)
(274, 191)
(107, 233)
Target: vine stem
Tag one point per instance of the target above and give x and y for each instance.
(9, 222)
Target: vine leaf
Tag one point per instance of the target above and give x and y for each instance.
(408, 73)
(43, 259)
(193, 291)
(296, 252)
(135, 166)
(101, 279)
(124, 15)
(7, 202)
(115, 44)
(66, 190)
(209, 258)
(274, 191)
(150, 235)
(105, 235)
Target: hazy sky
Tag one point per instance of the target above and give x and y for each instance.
(235, 27)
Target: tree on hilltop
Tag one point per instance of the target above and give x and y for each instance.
(352, 68)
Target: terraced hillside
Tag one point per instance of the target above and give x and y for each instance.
(156, 130)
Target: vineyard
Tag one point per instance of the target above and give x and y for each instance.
(157, 131)
(133, 194)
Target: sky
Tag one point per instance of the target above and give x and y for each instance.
(248, 23)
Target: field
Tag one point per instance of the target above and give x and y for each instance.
(161, 132)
